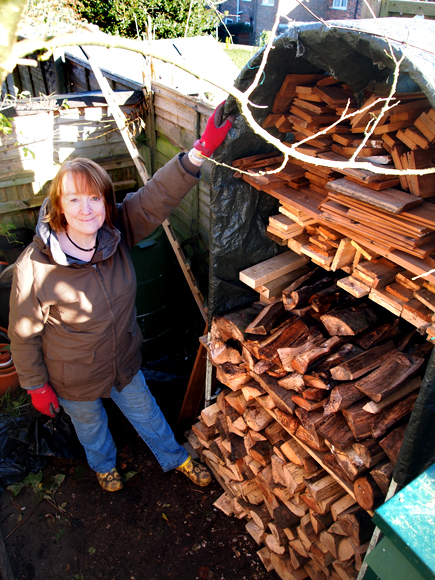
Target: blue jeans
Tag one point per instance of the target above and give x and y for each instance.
(139, 406)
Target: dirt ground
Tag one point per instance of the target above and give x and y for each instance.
(159, 526)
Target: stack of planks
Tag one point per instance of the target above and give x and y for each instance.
(369, 274)
(345, 218)
(305, 433)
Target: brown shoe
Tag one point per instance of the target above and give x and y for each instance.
(110, 481)
(196, 472)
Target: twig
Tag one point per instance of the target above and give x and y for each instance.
(18, 525)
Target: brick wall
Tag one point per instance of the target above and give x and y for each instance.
(265, 14)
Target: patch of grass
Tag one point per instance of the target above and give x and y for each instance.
(240, 56)
(16, 403)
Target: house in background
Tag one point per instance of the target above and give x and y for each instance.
(249, 18)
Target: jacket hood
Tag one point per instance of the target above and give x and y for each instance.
(47, 240)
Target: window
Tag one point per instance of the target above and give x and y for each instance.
(268, 2)
(228, 20)
(339, 4)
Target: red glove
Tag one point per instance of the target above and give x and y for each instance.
(215, 132)
(45, 401)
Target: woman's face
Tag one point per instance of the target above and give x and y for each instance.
(84, 213)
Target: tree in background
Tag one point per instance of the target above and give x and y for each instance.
(129, 18)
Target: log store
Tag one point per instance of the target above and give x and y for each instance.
(322, 298)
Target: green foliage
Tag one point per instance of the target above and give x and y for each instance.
(48, 18)
(264, 37)
(43, 489)
(5, 125)
(7, 230)
(15, 403)
(169, 17)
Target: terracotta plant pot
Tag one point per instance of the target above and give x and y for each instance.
(8, 375)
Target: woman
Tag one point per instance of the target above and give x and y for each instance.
(73, 329)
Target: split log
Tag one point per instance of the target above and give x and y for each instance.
(261, 452)
(222, 403)
(367, 492)
(392, 443)
(294, 476)
(379, 334)
(311, 438)
(359, 421)
(383, 474)
(292, 382)
(299, 456)
(345, 570)
(341, 397)
(252, 390)
(401, 393)
(320, 521)
(392, 415)
(260, 516)
(266, 319)
(310, 419)
(232, 376)
(307, 405)
(336, 430)
(284, 569)
(341, 505)
(285, 518)
(323, 300)
(275, 433)
(350, 321)
(301, 362)
(281, 397)
(330, 461)
(238, 448)
(363, 363)
(232, 325)
(360, 552)
(290, 423)
(208, 415)
(236, 400)
(256, 417)
(301, 296)
(313, 394)
(287, 354)
(330, 541)
(370, 451)
(293, 331)
(390, 376)
(345, 550)
(296, 559)
(320, 375)
(322, 486)
(264, 555)
(225, 504)
(255, 532)
(313, 572)
(321, 555)
(277, 464)
(220, 353)
(265, 483)
(357, 524)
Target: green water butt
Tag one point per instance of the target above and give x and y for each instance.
(157, 273)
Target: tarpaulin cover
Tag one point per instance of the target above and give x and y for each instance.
(357, 53)
(27, 441)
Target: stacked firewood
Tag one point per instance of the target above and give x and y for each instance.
(339, 217)
(317, 391)
(369, 274)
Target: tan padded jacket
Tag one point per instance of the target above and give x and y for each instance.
(72, 323)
